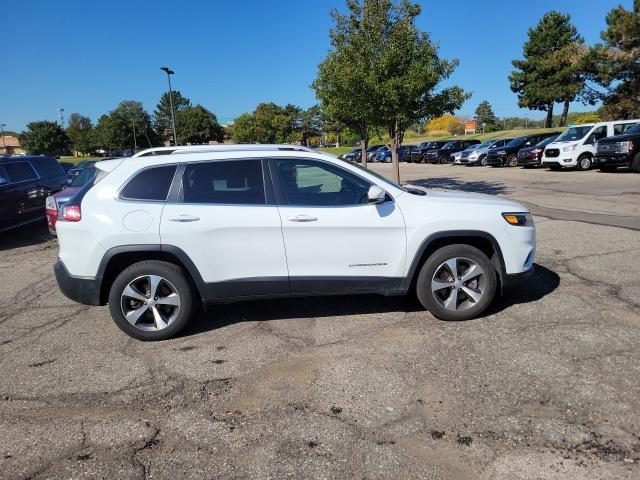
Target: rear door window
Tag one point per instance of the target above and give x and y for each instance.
(234, 182)
(20, 171)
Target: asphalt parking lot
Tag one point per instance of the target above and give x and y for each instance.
(546, 385)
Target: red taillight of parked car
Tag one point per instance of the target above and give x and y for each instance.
(70, 213)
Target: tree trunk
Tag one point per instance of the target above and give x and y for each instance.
(364, 144)
(565, 112)
(396, 140)
(337, 139)
(549, 120)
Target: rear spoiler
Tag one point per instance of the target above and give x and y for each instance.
(109, 165)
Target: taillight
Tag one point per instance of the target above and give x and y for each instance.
(50, 203)
(70, 213)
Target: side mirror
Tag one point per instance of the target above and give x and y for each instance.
(376, 194)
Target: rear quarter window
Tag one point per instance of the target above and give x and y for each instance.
(49, 167)
(151, 184)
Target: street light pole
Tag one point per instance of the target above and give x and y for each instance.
(170, 72)
(4, 145)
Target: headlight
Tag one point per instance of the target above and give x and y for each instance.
(50, 203)
(523, 219)
(626, 147)
(473, 155)
(570, 148)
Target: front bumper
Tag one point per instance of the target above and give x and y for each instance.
(513, 279)
(619, 160)
(81, 290)
(496, 160)
(528, 160)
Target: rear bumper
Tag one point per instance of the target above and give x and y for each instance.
(81, 290)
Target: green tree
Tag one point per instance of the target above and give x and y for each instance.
(45, 137)
(197, 125)
(397, 70)
(310, 123)
(127, 126)
(80, 132)
(484, 114)
(343, 84)
(268, 123)
(614, 65)
(162, 114)
(551, 69)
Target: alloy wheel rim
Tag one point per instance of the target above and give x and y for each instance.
(150, 303)
(585, 163)
(458, 284)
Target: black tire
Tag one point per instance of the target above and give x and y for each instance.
(512, 161)
(442, 160)
(635, 165)
(175, 277)
(429, 299)
(483, 161)
(583, 164)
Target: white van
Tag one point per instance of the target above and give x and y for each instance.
(575, 147)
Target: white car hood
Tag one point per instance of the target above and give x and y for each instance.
(456, 196)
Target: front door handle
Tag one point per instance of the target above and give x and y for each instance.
(184, 218)
(302, 218)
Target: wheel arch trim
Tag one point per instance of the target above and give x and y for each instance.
(497, 260)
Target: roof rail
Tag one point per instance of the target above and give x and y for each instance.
(220, 148)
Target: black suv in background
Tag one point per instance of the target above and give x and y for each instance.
(25, 183)
(418, 153)
(508, 155)
(619, 151)
(443, 154)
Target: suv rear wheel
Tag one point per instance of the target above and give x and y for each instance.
(457, 282)
(151, 300)
(512, 161)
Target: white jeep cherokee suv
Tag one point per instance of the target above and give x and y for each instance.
(156, 235)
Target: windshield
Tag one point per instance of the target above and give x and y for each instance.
(449, 146)
(483, 145)
(634, 129)
(371, 172)
(374, 148)
(574, 133)
(472, 147)
(546, 141)
(516, 142)
(84, 177)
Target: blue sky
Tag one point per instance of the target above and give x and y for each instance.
(231, 55)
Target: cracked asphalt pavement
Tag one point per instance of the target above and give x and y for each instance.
(545, 385)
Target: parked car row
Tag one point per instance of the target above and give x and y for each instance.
(606, 145)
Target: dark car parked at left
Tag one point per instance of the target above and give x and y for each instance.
(508, 155)
(25, 183)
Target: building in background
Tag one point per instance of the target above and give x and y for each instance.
(10, 145)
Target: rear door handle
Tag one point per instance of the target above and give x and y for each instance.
(184, 218)
(302, 218)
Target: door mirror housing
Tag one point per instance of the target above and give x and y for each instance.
(376, 194)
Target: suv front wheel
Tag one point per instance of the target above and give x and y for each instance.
(151, 300)
(457, 282)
